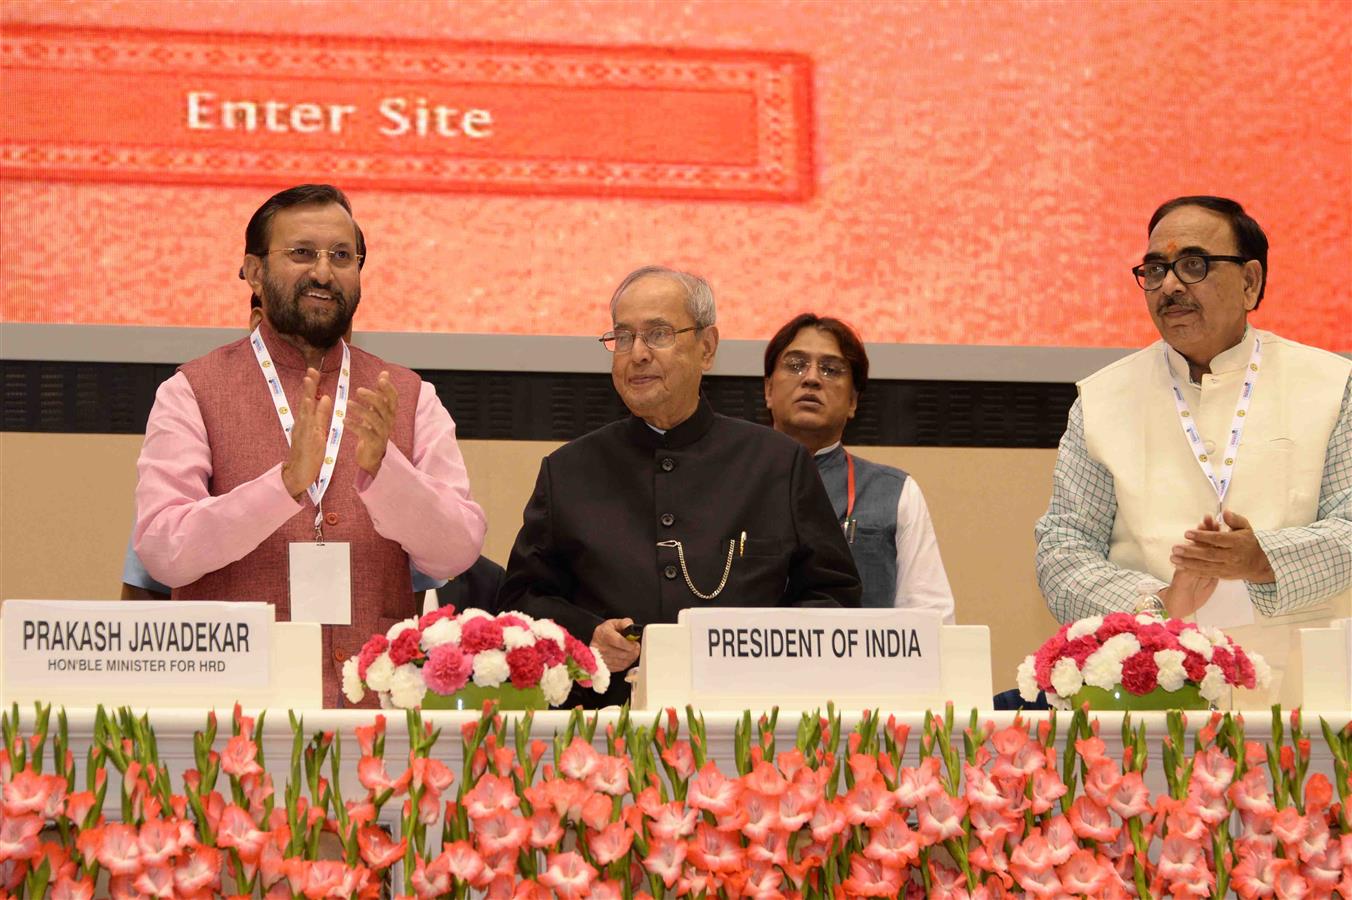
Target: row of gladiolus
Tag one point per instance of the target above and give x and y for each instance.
(984, 812)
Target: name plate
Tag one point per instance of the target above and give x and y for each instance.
(824, 652)
(155, 645)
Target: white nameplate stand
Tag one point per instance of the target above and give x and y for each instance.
(155, 654)
(1321, 668)
(756, 658)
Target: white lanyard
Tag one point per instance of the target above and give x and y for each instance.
(321, 484)
(1221, 482)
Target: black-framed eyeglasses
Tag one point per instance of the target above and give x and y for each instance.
(341, 258)
(656, 338)
(1188, 269)
(829, 370)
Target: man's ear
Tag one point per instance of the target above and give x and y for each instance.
(1253, 283)
(854, 402)
(252, 271)
(708, 339)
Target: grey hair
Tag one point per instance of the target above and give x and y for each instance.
(699, 297)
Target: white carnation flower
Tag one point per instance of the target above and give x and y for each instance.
(1215, 635)
(379, 672)
(1214, 685)
(544, 628)
(1172, 674)
(1120, 646)
(1027, 679)
(352, 687)
(1262, 672)
(556, 684)
(1146, 619)
(490, 668)
(1066, 678)
(1057, 701)
(1196, 642)
(1083, 627)
(407, 687)
(514, 636)
(400, 626)
(601, 680)
(385, 701)
(442, 631)
(1103, 669)
(468, 614)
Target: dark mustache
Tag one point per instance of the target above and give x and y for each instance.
(1175, 302)
(332, 290)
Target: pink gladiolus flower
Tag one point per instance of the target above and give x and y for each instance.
(869, 802)
(19, 836)
(796, 806)
(546, 829)
(712, 792)
(448, 669)
(764, 779)
(563, 795)
(1182, 860)
(1250, 793)
(579, 760)
(665, 859)
(1008, 741)
(1255, 873)
(27, 793)
(240, 757)
(1210, 808)
(372, 775)
(1326, 869)
(492, 794)
(466, 865)
(155, 881)
(681, 758)
(431, 879)
(1102, 782)
(714, 850)
(236, 829)
(159, 840)
(763, 883)
(1031, 866)
(610, 843)
(1131, 797)
(672, 820)
(1083, 873)
(1290, 885)
(940, 817)
(367, 734)
(981, 791)
(501, 831)
(67, 888)
(1091, 749)
(611, 775)
(916, 785)
(772, 850)
(1186, 823)
(200, 871)
(120, 852)
(1025, 761)
(828, 821)
(1316, 839)
(992, 826)
(1290, 826)
(1060, 839)
(123, 887)
(569, 875)
(1047, 789)
(378, 849)
(528, 889)
(78, 806)
(869, 878)
(596, 811)
(894, 845)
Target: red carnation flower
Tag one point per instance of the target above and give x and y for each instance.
(1226, 660)
(1140, 675)
(580, 653)
(1115, 624)
(1154, 637)
(405, 647)
(435, 616)
(551, 654)
(1194, 665)
(1248, 678)
(480, 633)
(507, 619)
(369, 651)
(526, 667)
(1080, 648)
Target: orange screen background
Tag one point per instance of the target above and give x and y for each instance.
(981, 174)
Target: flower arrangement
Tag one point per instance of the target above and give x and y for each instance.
(1141, 653)
(1036, 808)
(443, 652)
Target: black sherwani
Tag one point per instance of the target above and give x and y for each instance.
(588, 547)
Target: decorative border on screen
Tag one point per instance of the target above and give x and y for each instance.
(94, 147)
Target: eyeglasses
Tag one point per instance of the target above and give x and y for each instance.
(309, 256)
(1187, 269)
(797, 366)
(656, 338)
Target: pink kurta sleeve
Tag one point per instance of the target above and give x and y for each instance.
(424, 504)
(182, 532)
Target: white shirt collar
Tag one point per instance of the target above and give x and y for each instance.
(1226, 361)
(825, 450)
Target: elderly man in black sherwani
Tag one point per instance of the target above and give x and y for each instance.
(675, 506)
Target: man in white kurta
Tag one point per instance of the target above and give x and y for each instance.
(1133, 514)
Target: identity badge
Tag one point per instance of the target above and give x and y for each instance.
(321, 583)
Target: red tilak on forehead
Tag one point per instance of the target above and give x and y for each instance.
(1171, 248)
